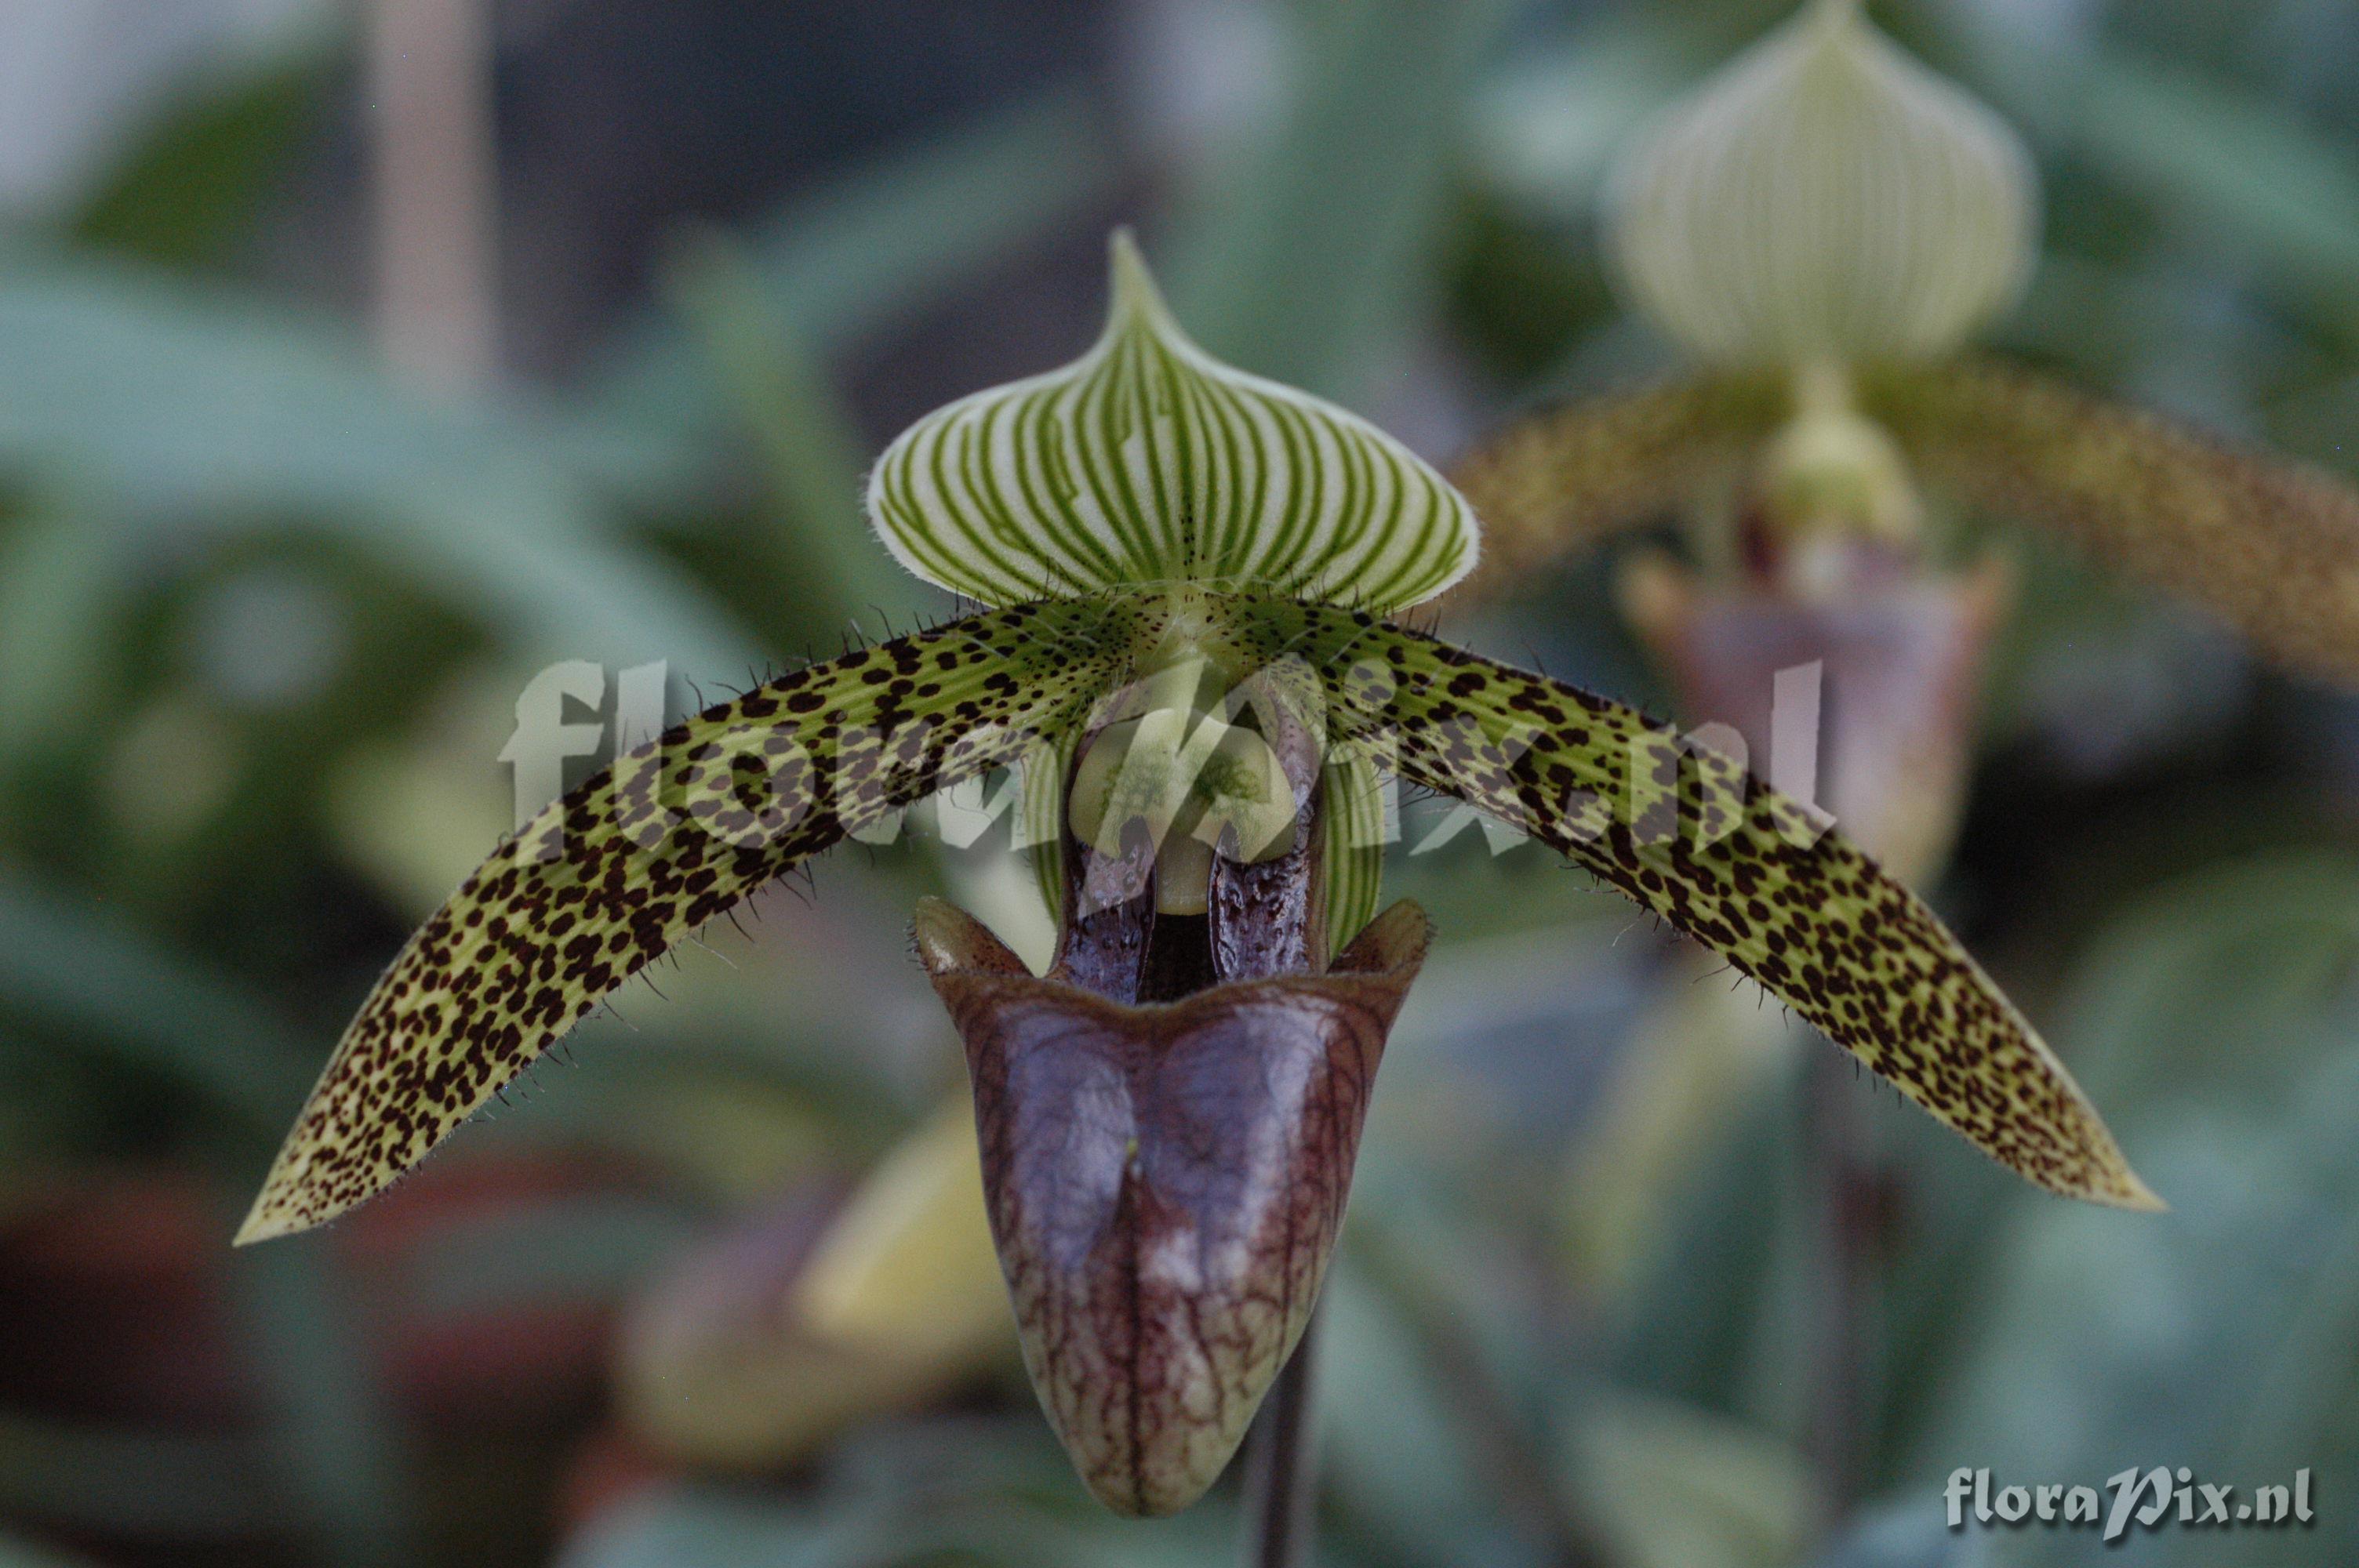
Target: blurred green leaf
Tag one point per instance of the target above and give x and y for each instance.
(2253, 180)
(1456, 1288)
(60, 574)
(566, 1251)
(1390, 1454)
(1307, 262)
(70, 968)
(189, 415)
(1673, 1486)
(1706, 1317)
(332, 1436)
(190, 187)
(132, 1482)
(2251, 950)
(1906, 1533)
(1548, 127)
(811, 548)
(967, 1492)
(880, 243)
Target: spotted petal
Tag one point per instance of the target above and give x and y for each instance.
(2270, 546)
(649, 850)
(1563, 479)
(1147, 460)
(1747, 872)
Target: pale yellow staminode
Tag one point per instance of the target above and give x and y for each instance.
(908, 1265)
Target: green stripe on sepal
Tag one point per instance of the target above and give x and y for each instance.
(1147, 460)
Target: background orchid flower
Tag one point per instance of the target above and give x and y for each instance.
(1162, 545)
(1821, 226)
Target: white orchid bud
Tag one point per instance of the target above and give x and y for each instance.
(1823, 197)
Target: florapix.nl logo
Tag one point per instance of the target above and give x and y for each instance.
(573, 713)
(2157, 1498)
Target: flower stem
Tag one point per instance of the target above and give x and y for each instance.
(1842, 1190)
(1281, 1480)
(436, 187)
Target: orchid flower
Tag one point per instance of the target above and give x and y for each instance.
(1189, 577)
(1821, 226)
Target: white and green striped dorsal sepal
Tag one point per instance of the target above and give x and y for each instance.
(1147, 460)
(1823, 195)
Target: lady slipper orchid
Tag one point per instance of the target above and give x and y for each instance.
(1186, 572)
(1820, 226)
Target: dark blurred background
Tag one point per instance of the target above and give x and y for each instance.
(358, 361)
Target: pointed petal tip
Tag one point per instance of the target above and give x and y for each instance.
(1807, 899)
(2132, 1193)
(284, 1205)
(430, 1046)
(2093, 1170)
(265, 1222)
